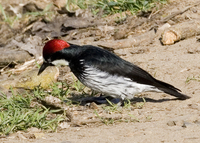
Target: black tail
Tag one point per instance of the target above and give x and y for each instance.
(170, 89)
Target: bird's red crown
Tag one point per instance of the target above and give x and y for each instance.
(53, 46)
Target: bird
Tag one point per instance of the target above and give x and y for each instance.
(104, 71)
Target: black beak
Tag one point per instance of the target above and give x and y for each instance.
(43, 67)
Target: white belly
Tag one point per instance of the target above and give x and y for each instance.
(115, 86)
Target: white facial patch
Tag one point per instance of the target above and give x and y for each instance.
(60, 62)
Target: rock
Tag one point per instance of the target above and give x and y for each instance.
(30, 80)
(171, 123)
(93, 105)
(52, 101)
(120, 34)
(29, 136)
(38, 135)
(64, 125)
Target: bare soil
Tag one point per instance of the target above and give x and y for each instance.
(161, 118)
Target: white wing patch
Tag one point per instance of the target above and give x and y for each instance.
(81, 61)
(113, 85)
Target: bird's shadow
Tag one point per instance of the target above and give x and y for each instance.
(137, 99)
(83, 100)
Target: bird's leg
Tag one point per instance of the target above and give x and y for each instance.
(102, 99)
(125, 102)
(117, 101)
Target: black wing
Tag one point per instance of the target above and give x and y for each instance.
(114, 65)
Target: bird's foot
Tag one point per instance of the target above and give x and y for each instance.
(100, 100)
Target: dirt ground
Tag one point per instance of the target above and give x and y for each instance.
(161, 119)
(170, 120)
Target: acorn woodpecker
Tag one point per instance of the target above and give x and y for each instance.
(104, 71)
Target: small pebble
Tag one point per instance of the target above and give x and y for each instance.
(93, 105)
(171, 123)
